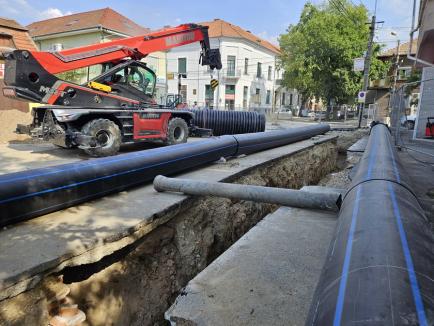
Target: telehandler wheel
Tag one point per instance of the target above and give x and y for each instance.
(107, 136)
(177, 131)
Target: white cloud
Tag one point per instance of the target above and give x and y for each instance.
(25, 13)
(270, 38)
(53, 13)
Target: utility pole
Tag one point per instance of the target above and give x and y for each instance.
(367, 65)
(392, 98)
(396, 67)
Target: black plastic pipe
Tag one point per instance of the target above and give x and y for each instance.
(229, 122)
(380, 265)
(32, 193)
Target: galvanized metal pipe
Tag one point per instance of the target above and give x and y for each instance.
(380, 264)
(279, 196)
(32, 193)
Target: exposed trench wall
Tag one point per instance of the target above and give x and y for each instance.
(135, 285)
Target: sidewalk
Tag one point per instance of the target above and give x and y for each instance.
(418, 160)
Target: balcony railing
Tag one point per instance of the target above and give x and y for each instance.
(279, 82)
(231, 73)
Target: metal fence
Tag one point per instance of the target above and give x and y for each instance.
(409, 113)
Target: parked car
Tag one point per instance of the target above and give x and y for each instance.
(321, 115)
(284, 114)
(408, 121)
(311, 114)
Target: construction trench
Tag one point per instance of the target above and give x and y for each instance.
(133, 277)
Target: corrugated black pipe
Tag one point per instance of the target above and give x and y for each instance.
(229, 122)
(32, 193)
(380, 265)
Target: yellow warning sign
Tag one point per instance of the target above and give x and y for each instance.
(214, 83)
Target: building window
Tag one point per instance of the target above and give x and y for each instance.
(230, 97)
(283, 99)
(209, 96)
(245, 95)
(259, 70)
(258, 96)
(6, 40)
(184, 93)
(269, 72)
(182, 65)
(231, 65)
(230, 90)
(81, 75)
(246, 66)
(404, 73)
(290, 99)
(268, 98)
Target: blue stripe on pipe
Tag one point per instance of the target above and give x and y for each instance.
(409, 262)
(99, 163)
(348, 250)
(104, 177)
(347, 260)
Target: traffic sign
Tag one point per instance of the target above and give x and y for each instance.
(359, 64)
(214, 83)
(361, 98)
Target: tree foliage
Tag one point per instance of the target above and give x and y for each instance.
(318, 52)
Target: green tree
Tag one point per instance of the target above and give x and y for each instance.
(318, 52)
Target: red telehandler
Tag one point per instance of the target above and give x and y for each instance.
(112, 107)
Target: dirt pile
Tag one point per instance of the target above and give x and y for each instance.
(8, 122)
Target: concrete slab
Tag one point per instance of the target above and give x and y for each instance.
(268, 277)
(86, 233)
(359, 146)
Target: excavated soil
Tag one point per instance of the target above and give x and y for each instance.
(8, 123)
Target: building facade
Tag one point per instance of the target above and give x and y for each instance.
(12, 36)
(250, 78)
(401, 69)
(93, 27)
(425, 52)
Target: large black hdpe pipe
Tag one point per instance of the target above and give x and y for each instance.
(32, 193)
(229, 122)
(380, 265)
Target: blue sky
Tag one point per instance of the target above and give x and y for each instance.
(267, 19)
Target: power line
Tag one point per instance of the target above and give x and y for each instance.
(347, 12)
(342, 11)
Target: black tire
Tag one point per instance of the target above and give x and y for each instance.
(177, 131)
(409, 124)
(107, 135)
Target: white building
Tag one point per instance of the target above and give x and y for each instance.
(249, 78)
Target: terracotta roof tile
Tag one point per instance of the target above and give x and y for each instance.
(403, 50)
(10, 23)
(20, 37)
(220, 28)
(106, 18)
